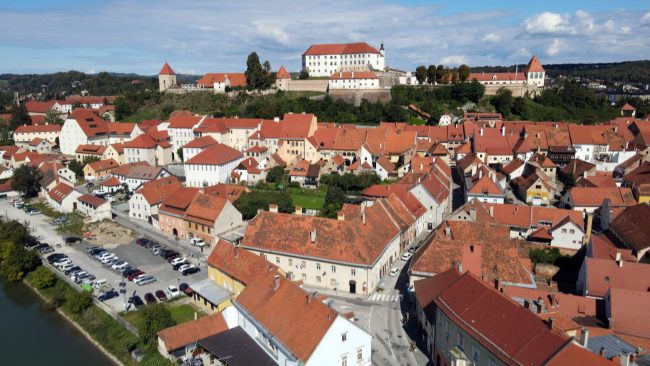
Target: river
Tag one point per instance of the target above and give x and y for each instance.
(32, 335)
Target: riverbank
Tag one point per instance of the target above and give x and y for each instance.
(101, 329)
(74, 324)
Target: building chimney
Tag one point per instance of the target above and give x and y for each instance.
(625, 359)
(276, 282)
(447, 231)
(503, 130)
(276, 119)
(492, 210)
(363, 215)
(460, 266)
(551, 322)
(584, 337)
(298, 210)
(601, 351)
(273, 207)
(236, 251)
(313, 236)
(480, 131)
(620, 264)
(340, 216)
(472, 213)
(618, 256)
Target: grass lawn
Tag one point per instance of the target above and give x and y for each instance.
(417, 121)
(74, 225)
(182, 313)
(307, 198)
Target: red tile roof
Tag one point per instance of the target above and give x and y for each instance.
(177, 203)
(191, 332)
(605, 273)
(157, 190)
(628, 107)
(292, 234)
(340, 49)
(39, 107)
(296, 320)
(102, 165)
(93, 201)
(183, 121)
(218, 154)
(166, 70)
(385, 190)
(200, 142)
(282, 73)
(593, 197)
(497, 76)
(236, 79)
(353, 75)
(629, 312)
(36, 141)
(205, 209)
(631, 227)
(143, 141)
(239, 264)
(60, 191)
(90, 149)
(38, 128)
(534, 65)
(110, 182)
(230, 192)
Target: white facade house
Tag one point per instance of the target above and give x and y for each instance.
(135, 175)
(95, 208)
(301, 339)
(84, 127)
(212, 166)
(63, 198)
(445, 120)
(181, 131)
(325, 59)
(27, 133)
(354, 80)
(567, 235)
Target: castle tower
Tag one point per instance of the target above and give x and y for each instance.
(166, 78)
(535, 72)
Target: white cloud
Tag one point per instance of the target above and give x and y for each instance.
(491, 37)
(548, 22)
(453, 60)
(645, 19)
(555, 47)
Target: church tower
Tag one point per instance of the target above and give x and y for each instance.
(166, 78)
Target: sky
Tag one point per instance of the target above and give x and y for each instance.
(199, 36)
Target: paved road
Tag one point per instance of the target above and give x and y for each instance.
(142, 258)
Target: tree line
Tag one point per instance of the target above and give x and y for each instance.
(441, 74)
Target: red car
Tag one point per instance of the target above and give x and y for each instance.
(160, 294)
(149, 298)
(133, 275)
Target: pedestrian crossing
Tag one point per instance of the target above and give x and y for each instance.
(384, 297)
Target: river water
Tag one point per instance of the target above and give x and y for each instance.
(31, 335)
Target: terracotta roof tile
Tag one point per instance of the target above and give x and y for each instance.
(218, 154)
(230, 192)
(103, 165)
(630, 226)
(166, 70)
(593, 197)
(184, 121)
(60, 192)
(177, 203)
(236, 79)
(602, 274)
(240, 264)
(191, 332)
(205, 209)
(90, 149)
(340, 49)
(37, 128)
(282, 73)
(93, 201)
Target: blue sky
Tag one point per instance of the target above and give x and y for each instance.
(198, 36)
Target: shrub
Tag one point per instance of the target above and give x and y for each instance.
(544, 255)
(77, 302)
(43, 278)
(154, 318)
(16, 261)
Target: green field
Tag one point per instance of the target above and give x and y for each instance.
(307, 198)
(73, 227)
(182, 313)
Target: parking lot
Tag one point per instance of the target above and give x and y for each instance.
(142, 258)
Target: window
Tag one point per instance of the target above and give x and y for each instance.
(572, 231)
(461, 340)
(353, 272)
(344, 337)
(491, 362)
(304, 276)
(318, 279)
(476, 354)
(563, 231)
(277, 260)
(290, 262)
(318, 266)
(344, 360)
(333, 269)
(359, 355)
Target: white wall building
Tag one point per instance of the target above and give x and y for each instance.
(354, 80)
(212, 166)
(325, 59)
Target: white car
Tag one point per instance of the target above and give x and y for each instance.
(63, 262)
(393, 272)
(178, 260)
(173, 291)
(184, 267)
(145, 279)
(197, 242)
(66, 267)
(119, 265)
(108, 258)
(406, 256)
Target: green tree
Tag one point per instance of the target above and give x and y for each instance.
(440, 72)
(257, 77)
(431, 74)
(16, 261)
(43, 278)
(454, 76)
(334, 200)
(26, 180)
(249, 203)
(153, 319)
(53, 118)
(19, 116)
(463, 72)
(503, 101)
(78, 167)
(304, 74)
(276, 175)
(77, 302)
(519, 107)
(421, 74)
(179, 153)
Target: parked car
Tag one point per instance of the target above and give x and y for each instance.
(62, 263)
(135, 275)
(56, 257)
(178, 260)
(156, 249)
(73, 269)
(160, 294)
(172, 257)
(75, 275)
(149, 298)
(90, 184)
(406, 256)
(185, 266)
(190, 271)
(142, 242)
(197, 242)
(168, 253)
(90, 249)
(184, 287)
(145, 280)
(96, 251)
(46, 249)
(110, 294)
(66, 267)
(172, 291)
(34, 212)
(120, 266)
(72, 240)
(129, 271)
(393, 272)
(18, 204)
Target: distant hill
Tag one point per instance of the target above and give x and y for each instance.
(634, 72)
